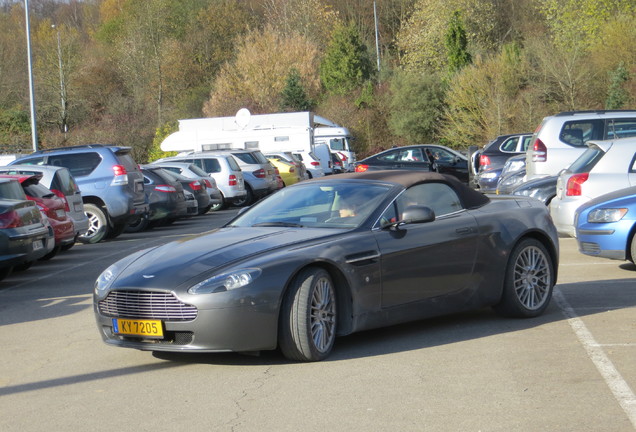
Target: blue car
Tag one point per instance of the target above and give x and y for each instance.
(605, 225)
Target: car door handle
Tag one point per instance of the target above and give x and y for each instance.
(465, 230)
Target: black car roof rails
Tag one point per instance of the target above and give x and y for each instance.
(71, 148)
(569, 113)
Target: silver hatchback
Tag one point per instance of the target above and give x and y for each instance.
(223, 168)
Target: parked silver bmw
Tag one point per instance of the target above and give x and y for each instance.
(328, 257)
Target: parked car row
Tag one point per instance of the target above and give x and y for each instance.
(582, 165)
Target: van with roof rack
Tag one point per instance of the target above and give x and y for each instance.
(109, 179)
(563, 137)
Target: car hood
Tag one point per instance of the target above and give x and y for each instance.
(175, 263)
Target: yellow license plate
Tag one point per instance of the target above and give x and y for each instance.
(148, 328)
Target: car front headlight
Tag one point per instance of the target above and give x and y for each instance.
(605, 215)
(226, 281)
(108, 276)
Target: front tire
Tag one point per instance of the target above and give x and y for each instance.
(308, 317)
(528, 282)
(97, 224)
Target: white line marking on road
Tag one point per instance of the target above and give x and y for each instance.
(620, 389)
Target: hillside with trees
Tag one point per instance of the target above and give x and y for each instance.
(457, 72)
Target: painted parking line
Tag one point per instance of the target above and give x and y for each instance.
(618, 386)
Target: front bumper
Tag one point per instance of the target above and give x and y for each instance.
(249, 327)
(562, 213)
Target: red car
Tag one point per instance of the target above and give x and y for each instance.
(53, 206)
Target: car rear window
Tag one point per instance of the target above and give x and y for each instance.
(248, 158)
(126, 159)
(79, 164)
(64, 182)
(11, 190)
(198, 171)
(587, 160)
(38, 191)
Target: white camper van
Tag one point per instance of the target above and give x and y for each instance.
(292, 132)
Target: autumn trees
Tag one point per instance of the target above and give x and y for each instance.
(452, 71)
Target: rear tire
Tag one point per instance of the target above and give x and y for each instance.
(137, 226)
(308, 317)
(115, 230)
(528, 282)
(97, 225)
(247, 199)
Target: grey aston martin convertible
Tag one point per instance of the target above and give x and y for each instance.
(330, 257)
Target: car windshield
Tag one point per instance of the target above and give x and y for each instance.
(316, 205)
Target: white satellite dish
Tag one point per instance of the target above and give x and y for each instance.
(242, 117)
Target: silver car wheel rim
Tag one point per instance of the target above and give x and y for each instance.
(93, 225)
(323, 315)
(532, 278)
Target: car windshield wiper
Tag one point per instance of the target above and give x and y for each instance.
(277, 224)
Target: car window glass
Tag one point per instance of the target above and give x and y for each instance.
(127, 161)
(587, 160)
(31, 161)
(438, 196)
(633, 168)
(525, 142)
(621, 128)
(233, 164)
(248, 158)
(411, 155)
(80, 164)
(260, 158)
(64, 182)
(509, 145)
(11, 190)
(211, 165)
(195, 169)
(577, 133)
(38, 191)
(174, 169)
(443, 155)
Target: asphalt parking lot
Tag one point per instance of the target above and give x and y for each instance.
(572, 369)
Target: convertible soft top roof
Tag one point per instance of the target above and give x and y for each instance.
(470, 198)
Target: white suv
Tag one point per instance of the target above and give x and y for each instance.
(562, 138)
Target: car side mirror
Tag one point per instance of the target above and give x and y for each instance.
(417, 214)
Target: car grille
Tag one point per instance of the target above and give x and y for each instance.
(590, 248)
(146, 305)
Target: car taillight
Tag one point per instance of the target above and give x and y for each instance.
(362, 168)
(259, 173)
(208, 183)
(574, 184)
(292, 169)
(10, 219)
(195, 185)
(484, 161)
(121, 176)
(119, 170)
(276, 171)
(315, 163)
(539, 151)
(165, 188)
(233, 181)
(63, 197)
